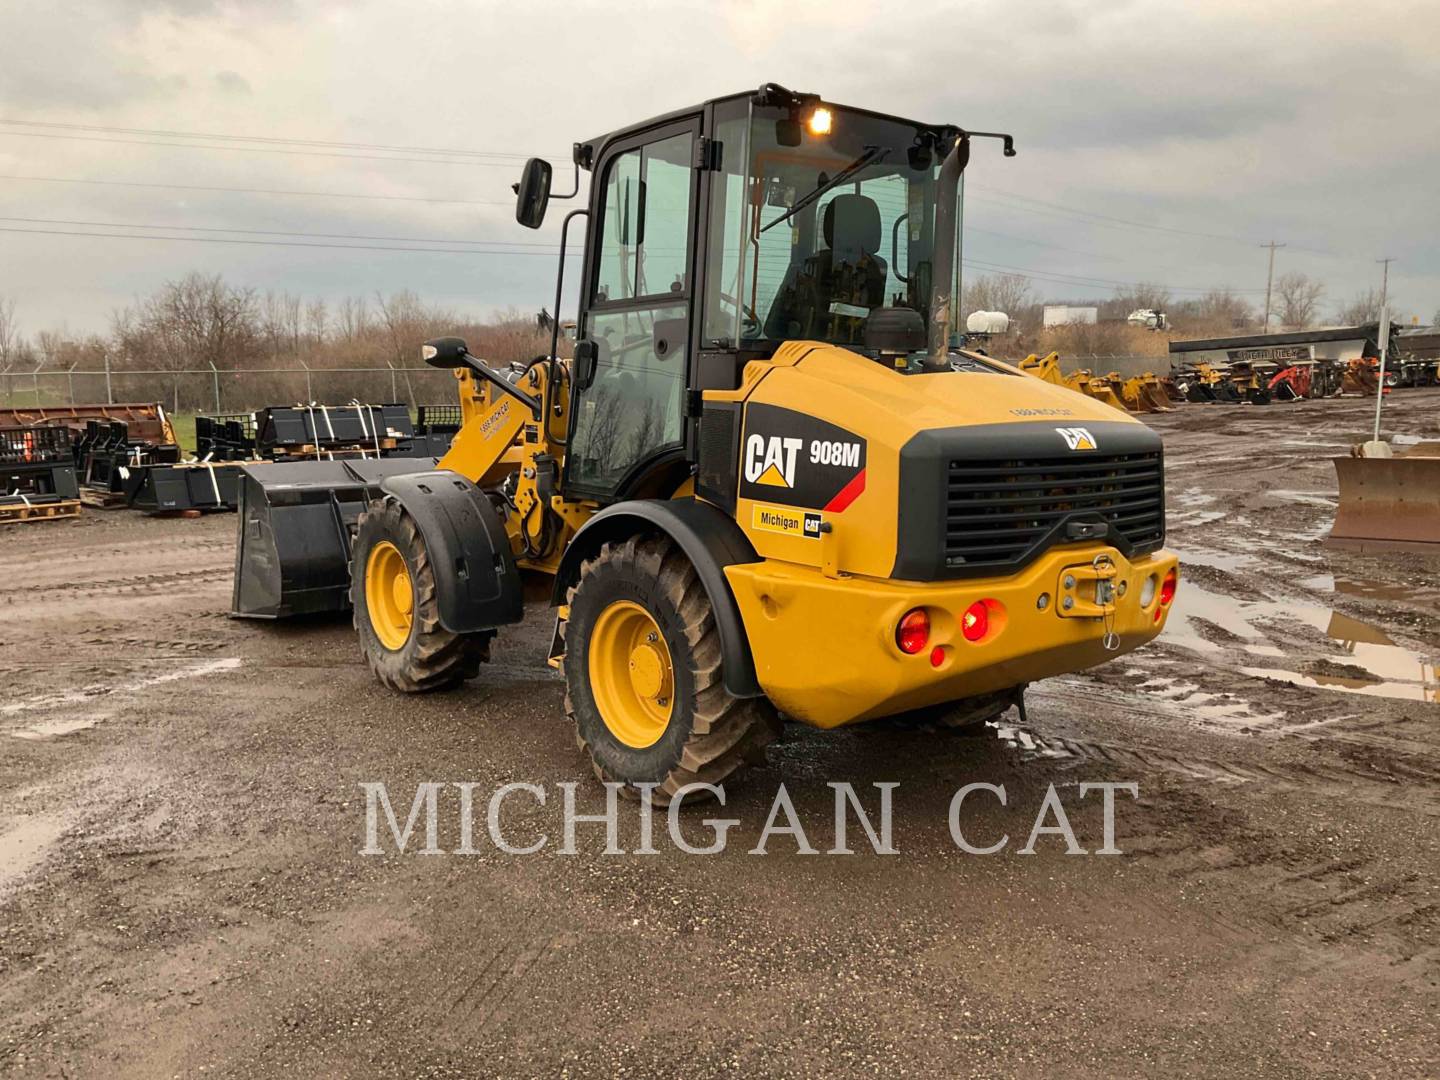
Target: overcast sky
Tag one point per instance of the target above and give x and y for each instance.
(1157, 142)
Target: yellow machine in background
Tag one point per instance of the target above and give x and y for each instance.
(1142, 394)
(765, 486)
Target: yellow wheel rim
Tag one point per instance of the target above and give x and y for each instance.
(389, 595)
(631, 674)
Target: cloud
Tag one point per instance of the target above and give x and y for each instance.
(232, 82)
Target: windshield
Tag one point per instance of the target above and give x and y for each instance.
(809, 233)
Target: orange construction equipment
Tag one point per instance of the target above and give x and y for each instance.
(1361, 376)
(147, 421)
(1388, 500)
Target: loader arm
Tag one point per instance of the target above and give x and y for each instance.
(486, 440)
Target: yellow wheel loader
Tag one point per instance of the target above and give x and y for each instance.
(765, 485)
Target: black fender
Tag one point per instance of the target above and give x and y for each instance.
(477, 584)
(711, 541)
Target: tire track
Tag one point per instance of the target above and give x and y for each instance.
(1315, 780)
(121, 585)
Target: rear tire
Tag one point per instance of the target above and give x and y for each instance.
(406, 647)
(642, 645)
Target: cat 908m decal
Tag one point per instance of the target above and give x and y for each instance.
(793, 459)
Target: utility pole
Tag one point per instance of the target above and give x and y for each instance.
(1270, 280)
(1384, 336)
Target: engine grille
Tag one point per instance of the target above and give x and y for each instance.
(1004, 513)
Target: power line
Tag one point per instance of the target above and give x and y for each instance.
(259, 150)
(275, 243)
(259, 191)
(1070, 281)
(264, 139)
(1020, 202)
(1098, 218)
(284, 232)
(1009, 199)
(1062, 278)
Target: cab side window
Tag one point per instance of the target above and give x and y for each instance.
(637, 315)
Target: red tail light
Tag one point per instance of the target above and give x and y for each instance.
(1167, 588)
(975, 623)
(913, 633)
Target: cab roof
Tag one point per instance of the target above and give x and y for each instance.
(769, 94)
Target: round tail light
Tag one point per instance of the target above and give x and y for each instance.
(975, 623)
(1167, 588)
(913, 632)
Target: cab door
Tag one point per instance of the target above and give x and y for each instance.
(636, 307)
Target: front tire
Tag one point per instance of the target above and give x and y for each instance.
(392, 592)
(643, 677)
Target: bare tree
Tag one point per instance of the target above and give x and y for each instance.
(191, 324)
(1296, 299)
(317, 321)
(1364, 308)
(9, 341)
(1223, 306)
(352, 320)
(403, 316)
(1146, 296)
(996, 292)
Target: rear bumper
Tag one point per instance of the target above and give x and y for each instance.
(825, 649)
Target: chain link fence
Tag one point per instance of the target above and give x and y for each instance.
(246, 389)
(1127, 367)
(228, 391)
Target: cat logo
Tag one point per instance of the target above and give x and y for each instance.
(771, 460)
(783, 520)
(1077, 438)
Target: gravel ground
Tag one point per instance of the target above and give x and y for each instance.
(181, 820)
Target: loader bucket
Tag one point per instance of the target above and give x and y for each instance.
(1046, 368)
(1133, 394)
(1102, 390)
(1257, 395)
(1144, 394)
(1154, 393)
(1388, 502)
(292, 556)
(1200, 392)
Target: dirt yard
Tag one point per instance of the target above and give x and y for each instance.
(182, 889)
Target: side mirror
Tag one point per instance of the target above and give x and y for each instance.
(533, 193)
(787, 131)
(583, 365)
(445, 352)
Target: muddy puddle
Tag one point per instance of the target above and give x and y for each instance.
(24, 845)
(58, 726)
(1305, 498)
(1364, 659)
(1373, 590)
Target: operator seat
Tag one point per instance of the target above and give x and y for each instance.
(848, 270)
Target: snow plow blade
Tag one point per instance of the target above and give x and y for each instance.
(1388, 503)
(292, 556)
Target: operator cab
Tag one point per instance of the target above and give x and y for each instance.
(718, 233)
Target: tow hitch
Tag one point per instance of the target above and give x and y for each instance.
(1089, 591)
